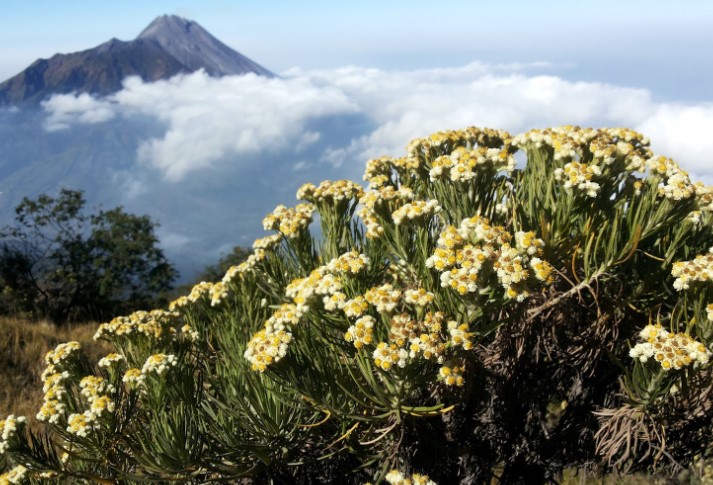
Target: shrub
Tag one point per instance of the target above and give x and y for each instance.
(460, 316)
(59, 263)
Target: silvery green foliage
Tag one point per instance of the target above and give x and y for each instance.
(458, 315)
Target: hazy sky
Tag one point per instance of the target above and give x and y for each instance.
(659, 45)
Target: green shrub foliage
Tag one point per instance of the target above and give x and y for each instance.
(459, 317)
(60, 263)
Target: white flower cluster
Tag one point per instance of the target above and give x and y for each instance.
(510, 266)
(268, 242)
(52, 379)
(53, 407)
(291, 222)
(93, 387)
(286, 314)
(384, 297)
(325, 282)
(334, 301)
(704, 193)
(480, 230)
(61, 353)
(403, 329)
(451, 375)
(8, 430)
(350, 262)
(159, 364)
(374, 202)
(270, 344)
(190, 332)
(320, 282)
(153, 324)
(199, 290)
(463, 252)
(246, 267)
(110, 360)
(558, 137)
(395, 477)
(215, 292)
(409, 338)
(82, 424)
(415, 210)
(460, 335)
(361, 332)
(428, 341)
(418, 297)
(694, 217)
(677, 184)
(529, 243)
(15, 476)
(445, 142)
(329, 191)
(698, 270)
(267, 348)
(579, 175)
(671, 350)
(355, 307)
(677, 187)
(542, 270)
(387, 355)
(218, 293)
(536, 138)
(607, 146)
(133, 377)
(101, 405)
(607, 152)
(463, 164)
(378, 171)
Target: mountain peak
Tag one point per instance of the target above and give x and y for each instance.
(167, 25)
(168, 46)
(196, 48)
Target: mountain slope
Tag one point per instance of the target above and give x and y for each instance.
(168, 46)
(196, 48)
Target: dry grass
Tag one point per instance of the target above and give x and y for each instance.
(23, 345)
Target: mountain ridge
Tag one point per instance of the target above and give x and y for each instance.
(168, 46)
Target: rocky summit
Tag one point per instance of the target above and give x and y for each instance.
(170, 45)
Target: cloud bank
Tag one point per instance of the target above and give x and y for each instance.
(209, 157)
(210, 121)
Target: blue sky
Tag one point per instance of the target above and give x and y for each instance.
(654, 44)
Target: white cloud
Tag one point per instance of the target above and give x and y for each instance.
(410, 104)
(66, 109)
(683, 132)
(210, 120)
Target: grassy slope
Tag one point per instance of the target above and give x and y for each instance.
(23, 346)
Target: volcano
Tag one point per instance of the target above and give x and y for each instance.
(170, 45)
